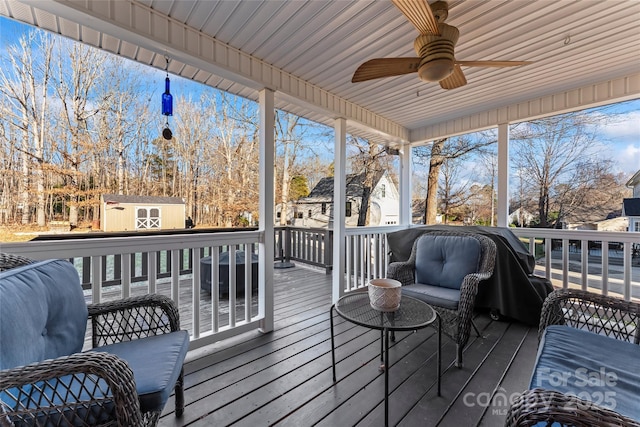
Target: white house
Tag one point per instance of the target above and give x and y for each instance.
(521, 216)
(316, 210)
(631, 206)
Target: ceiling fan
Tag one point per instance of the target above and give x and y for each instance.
(434, 46)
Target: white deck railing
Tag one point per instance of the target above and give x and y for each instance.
(618, 272)
(117, 267)
(206, 315)
(597, 261)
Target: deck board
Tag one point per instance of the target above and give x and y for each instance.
(284, 377)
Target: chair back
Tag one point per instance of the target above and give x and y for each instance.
(444, 260)
(43, 314)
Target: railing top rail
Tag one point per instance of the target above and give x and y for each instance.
(383, 229)
(593, 235)
(121, 245)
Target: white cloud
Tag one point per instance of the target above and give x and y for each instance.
(627, 126)
(628, 158)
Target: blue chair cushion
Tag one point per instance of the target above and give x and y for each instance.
(82, 389)
(434, 295)
(41, 304)
(156, 363)
(596, 368)
(445, 260)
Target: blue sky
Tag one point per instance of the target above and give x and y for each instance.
(621, 139)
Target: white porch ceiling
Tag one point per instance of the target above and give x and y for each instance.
(585, 52)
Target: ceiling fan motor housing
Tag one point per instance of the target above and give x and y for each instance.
(436, 53)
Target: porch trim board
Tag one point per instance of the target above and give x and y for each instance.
(616, 90)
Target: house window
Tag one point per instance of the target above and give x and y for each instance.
(383, 190)
(309, 213)
(278, 214)
(637, 226)
(299, 215)
(323, 208)
(348, 209)
(147, 218)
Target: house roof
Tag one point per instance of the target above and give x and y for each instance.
(584, 53)
(323, 191)
(635, 180)
(120, 198)
(631, 207)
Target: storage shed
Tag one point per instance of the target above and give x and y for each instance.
(129, 213)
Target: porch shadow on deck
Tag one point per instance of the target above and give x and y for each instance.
(284, 377)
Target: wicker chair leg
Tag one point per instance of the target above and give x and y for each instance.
(179, 391)
(459, 355)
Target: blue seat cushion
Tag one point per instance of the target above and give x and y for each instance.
(433, 295)
(156, 363)
(43, 314)
(83, 390)
(596, 368)
(445, 260)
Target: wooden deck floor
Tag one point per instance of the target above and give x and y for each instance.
(284, 378)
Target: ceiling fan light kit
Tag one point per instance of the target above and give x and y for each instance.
(436, 53)
(435, 48)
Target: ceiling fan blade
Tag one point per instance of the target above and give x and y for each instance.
(454, 80)
(385, 67)
(419, 13)
(493, 63)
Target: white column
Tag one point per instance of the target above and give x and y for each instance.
(503, 175)
(339, 205)
(405, 185)
(266, 191)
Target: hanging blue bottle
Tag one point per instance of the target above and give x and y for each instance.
(167, 100)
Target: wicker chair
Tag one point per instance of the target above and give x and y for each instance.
(94, 387)
(444, 270)
(584, 310)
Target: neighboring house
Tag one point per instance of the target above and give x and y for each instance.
(631, 206)
(316, 210)
(596, 218)
(129, 213)
(522, 217)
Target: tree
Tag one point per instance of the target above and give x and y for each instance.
(558, 162)
(438, 153)
(27, 90)
(77, 79)
(297, 140)
(452, 194)
(299, 187)
(368, 161)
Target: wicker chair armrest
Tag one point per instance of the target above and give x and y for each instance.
(402, 272)
(132, 318)
(9, 261)
(601, 314)
(540, 405)
(44, 386)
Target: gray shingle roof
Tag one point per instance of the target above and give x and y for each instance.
(120, 198)
(324, 189)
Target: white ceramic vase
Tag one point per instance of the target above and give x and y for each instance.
(384, 294)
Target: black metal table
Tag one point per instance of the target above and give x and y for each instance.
(412, 314)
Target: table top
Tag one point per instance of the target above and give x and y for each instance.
(412, 314)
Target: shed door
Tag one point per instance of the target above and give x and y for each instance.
(147, 218)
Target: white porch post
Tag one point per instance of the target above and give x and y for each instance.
(339, 200)
(503, 175)
(405, 185)
(266, 190)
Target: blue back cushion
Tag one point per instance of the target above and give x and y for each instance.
(43, 314)
(445, 260)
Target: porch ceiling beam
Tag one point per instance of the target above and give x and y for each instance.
(141, 25)
(617, 90)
